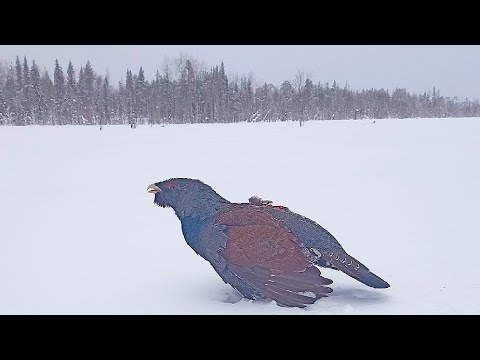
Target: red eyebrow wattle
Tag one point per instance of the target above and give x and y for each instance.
(172, 186)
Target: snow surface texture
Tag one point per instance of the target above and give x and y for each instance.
(80, 235)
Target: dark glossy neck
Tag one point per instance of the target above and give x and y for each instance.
(201, 208)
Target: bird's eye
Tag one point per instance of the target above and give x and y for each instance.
(172, 186)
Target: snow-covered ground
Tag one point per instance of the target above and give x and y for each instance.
(80, 235)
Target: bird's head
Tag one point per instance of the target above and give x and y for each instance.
(186, 196)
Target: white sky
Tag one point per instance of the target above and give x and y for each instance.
(453, 69)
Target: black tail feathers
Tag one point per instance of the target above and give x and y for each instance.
(372, 280)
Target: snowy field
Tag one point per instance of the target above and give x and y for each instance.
(80, 235)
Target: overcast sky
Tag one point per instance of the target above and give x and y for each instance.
(453, 69)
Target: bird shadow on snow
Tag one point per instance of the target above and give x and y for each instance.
(343, 296)
(229, 296)
(232, 296)
(351, 300)
(358, 296)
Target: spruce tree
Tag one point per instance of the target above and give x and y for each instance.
(140, 95)
(9, 95)
(27, 93)
(47, 104)
(71, 96)
(60, 94)
(130, 99)
(18, 99)
(88, 93)
(106, 101)
(19, 73)
(35, 93)
(81, 98)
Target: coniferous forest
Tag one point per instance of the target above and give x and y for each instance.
(186, 91)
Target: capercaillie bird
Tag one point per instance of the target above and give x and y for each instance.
(261, 250)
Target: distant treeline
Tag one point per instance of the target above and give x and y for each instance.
(185, 91)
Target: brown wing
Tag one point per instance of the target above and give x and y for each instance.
(266, 255)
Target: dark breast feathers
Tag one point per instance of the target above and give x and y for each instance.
(264, 254)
